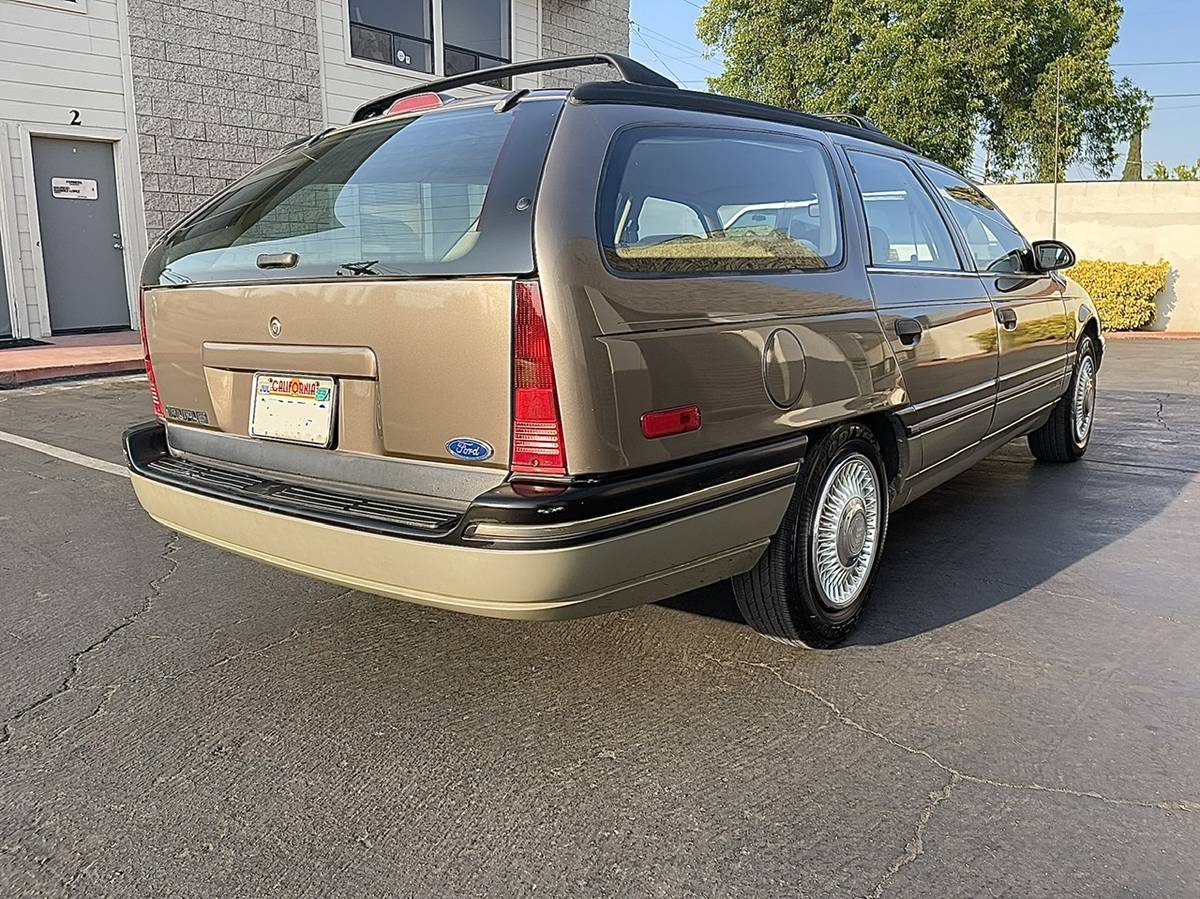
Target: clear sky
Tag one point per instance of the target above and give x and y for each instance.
(663, 35)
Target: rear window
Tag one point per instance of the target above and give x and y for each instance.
(444, 193)
(710, 200)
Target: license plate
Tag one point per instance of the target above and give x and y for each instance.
(297, 408)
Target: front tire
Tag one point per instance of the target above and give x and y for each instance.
(812, 584)
(1066, 435)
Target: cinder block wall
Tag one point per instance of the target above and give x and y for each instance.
(219, 85)
(1122, 221)
(583, 26)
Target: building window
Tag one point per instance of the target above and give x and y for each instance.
(394, 32)
(474, 34)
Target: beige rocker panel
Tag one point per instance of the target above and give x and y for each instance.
(567, 582)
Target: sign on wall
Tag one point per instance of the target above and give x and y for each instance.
(73, 188)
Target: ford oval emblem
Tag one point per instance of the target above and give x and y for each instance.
(469, 448)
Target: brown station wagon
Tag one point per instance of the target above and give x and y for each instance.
(554, 352)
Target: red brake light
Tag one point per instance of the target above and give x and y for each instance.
(158, 406)
(537, 426)
(415, 102)
(666, 422)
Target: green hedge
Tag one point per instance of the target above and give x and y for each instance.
(1123, 292)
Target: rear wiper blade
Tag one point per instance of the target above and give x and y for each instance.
(358, 268)
(174, 277)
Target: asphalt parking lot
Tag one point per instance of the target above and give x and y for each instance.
(1018, 715)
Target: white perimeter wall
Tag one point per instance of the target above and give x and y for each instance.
(1122, 221)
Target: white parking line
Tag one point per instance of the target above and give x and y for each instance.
(64, 454)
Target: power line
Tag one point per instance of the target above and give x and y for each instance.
(681, 59)
(1178, 62)
(668, 39)
(638, 34)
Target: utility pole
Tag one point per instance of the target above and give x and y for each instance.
(1057, 127)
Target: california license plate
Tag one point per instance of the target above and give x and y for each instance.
(298, 408)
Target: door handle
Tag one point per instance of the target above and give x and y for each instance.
(909, 331)
(1007, 317)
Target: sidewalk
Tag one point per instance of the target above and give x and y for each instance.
(71, 357)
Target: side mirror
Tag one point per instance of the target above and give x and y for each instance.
(1052, 255)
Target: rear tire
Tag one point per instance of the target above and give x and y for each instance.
(812, 584)
(1066, 435)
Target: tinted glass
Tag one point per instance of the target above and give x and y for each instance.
(392, 49)
(903, 224)
(396, 32)
(715, 200)
(479, 27)
(396, 197)
(458, 62)
(411, 17)
(995, 242)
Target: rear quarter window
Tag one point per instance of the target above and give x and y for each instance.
(715, 200)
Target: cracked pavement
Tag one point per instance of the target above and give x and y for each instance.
(1019, 713)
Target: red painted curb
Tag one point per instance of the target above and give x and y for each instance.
(1152, 335)
(26, 376)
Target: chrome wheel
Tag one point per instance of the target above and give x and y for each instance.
(1083, 401)
(846, 527)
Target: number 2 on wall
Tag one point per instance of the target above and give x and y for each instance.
(75, 117)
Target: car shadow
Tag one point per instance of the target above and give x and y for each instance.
(1008, 525)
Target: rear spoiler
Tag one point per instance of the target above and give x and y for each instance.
(630, 71)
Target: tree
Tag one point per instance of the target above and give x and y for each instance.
(942, 75)
(1133, 162)
(1179, 173)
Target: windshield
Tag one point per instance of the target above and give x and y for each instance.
(442, 193)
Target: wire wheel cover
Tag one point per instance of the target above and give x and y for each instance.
(1083, 402)
(846, 527)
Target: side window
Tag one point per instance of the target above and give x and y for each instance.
(903, 224)
(995, 242)
(710, 200)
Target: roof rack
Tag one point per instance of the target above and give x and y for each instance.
(631, 71)
(859, 121)
(615, 92)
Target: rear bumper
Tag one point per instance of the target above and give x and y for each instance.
(619, 557)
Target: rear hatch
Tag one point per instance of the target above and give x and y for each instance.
(355, 296)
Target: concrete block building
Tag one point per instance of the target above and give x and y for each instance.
(119, 116)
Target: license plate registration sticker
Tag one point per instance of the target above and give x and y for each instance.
(298, 408)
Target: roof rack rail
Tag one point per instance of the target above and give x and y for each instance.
(630, 70)
(616, 92)
(860, 121)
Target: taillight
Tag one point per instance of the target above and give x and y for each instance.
(158, 406)
(537, 426)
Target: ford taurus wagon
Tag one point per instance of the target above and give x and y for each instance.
(549, 353)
